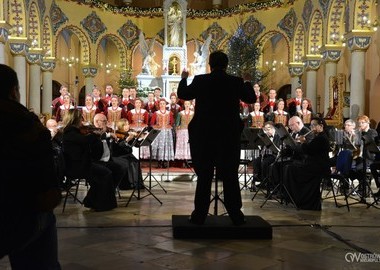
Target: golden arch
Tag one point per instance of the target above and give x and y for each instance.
(315, 33)
(85, 53)
(335, 23)
(299, 43)
(34, 26)
(265, 38)
(121, 48)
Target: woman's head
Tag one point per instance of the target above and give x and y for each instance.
(73, 117)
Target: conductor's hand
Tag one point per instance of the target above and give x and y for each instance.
(184, 74)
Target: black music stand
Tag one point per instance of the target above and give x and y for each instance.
(268, 144)
(145, 140)
(286, 140)
(216, 197)
(250, 141)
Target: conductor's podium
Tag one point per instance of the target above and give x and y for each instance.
(221, 227)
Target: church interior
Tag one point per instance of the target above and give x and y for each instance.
(315, 44)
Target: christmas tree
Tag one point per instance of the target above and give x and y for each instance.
(243, 54)
(126, 81)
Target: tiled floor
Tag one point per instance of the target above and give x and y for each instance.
(140, 236)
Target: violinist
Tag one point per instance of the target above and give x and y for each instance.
(123, 150)
(108, 138)
(300, 134)
(302, 178)
(81, 162)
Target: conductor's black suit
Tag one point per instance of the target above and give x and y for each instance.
(214, 134)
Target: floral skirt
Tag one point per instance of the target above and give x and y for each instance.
(163, 146)
(182, 149)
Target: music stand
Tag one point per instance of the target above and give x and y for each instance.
(286, 139)
(250, 141)
(145, 140)
(216, 196)
(268, 144)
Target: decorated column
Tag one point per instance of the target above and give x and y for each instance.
(19, 47)
(4, 32)
(358, 42)
(331, 55)
(295, 71)
(47, 66)
(312, 64)
(34, 58)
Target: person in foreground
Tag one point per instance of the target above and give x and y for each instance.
(29, 189)
(214, 134)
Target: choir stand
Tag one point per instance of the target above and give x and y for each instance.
(147, 141)
(286, 139)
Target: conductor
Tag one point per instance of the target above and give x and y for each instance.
(214, 134)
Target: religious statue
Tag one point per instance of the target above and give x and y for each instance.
(198, 66)
(149, 66)
(175, 26)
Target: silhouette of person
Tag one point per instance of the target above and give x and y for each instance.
(214, 134)
(29, 188)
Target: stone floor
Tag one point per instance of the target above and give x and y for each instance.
(139, 236)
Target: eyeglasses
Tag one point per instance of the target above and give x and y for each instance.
(314, 125)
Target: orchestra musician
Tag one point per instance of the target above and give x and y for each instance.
(108, 138)
(261, 164)
(123, 150)
(300, 134)
(368, 135)
(84, 158)
(302, 178)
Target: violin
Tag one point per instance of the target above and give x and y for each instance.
(124, 135)
(89, 129)
(302, 138)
